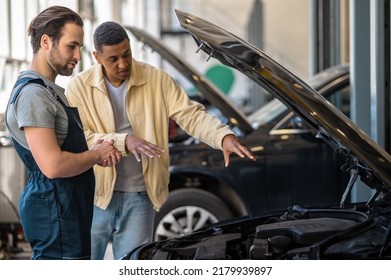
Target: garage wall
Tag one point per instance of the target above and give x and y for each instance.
(286, 33)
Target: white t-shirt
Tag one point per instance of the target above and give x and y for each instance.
(129, 172)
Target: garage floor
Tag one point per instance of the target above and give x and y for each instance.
(23, 252)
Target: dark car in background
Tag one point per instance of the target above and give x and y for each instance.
(294, 164)
(343, 231)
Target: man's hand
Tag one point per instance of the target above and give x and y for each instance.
(109, 155)
(138, 146)
(231, 144)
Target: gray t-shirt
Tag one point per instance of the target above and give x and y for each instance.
(37, 106)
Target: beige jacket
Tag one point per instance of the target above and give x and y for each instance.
(153, 97)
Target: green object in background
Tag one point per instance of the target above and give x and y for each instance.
(221, 76)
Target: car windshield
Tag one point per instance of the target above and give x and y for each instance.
(272, 109)
(267, 113)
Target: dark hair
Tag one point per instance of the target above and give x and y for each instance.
(107, 34)
(50, 22)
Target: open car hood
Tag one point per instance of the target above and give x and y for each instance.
(365, 158)
(206, 88)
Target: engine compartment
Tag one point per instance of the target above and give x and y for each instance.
(297, 234)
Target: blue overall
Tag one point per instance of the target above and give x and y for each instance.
(56, 214)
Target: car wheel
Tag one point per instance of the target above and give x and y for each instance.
(187, 210)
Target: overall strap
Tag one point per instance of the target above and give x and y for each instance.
(24, 81)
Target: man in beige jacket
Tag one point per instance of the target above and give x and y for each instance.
(130, 102)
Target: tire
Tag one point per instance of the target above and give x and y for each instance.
(187, 210)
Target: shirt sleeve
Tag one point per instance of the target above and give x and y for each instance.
(193, 118)
(35, 107)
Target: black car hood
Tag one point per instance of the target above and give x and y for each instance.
(365, 157)
(207, 88)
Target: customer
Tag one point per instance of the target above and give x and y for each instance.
(130, 102)
(56, 205)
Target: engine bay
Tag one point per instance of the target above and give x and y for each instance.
(297, 234)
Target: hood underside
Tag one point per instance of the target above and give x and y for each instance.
(371, 161)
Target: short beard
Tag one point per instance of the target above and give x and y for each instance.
(56, 62)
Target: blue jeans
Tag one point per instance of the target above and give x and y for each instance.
(127, 222)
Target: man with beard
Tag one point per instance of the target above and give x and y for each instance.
(131, 102)
(56, 204)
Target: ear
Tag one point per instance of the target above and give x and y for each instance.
(97, 57)
(46, 42)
